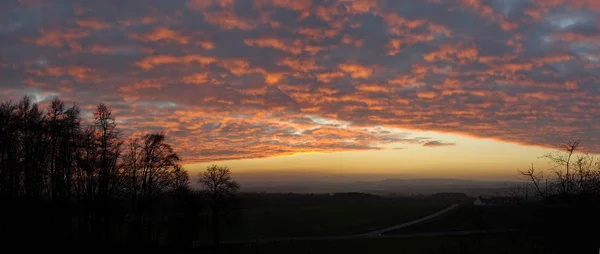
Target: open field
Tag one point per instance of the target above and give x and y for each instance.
(471, 218)
(496, 243)
(322, 220)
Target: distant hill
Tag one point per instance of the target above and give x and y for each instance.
(384, 187)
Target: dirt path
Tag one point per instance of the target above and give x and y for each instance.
(372, 234)
(413, 222)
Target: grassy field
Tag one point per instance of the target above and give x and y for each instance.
(497, 243)
(324, 220)
(471, 218)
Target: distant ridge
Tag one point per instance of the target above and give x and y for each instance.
(392, 186)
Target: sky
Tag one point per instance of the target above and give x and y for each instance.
(419, 88)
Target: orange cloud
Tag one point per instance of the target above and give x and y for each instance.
(361, 6)
(78, 73)
(296, 5)
(373, 88)
(228, 20)
(153, 61)
(101, 49)
(93, 24)
(162, 33)
(293, 47)
(233, 79)
(198, 78)
(302, 65)
(59, 38)
(486, 11)
(329, 76)
(356, 70)
(206, 44)
(453, 53)
(317, 34)
(199, 5)
(426, 94)
(146, 84)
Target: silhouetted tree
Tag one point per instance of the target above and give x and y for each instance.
(220, 188)
(159, 164)
(535, 177)
(569, 201)
(87, 157)
(181, 179)
(108, 145)
(9, 150)
(63, 129)
(62, 179)
(151, 167)
(31, 122)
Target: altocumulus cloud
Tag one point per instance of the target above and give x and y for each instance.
(248, 79)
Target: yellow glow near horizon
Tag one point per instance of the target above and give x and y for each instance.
(468, 158)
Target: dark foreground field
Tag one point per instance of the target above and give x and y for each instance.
(496, 243)
(322, 220)
(469, 217)
(467, 229)
(267, 216)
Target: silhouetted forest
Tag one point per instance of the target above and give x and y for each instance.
(70, 182)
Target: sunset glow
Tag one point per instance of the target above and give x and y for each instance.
(423, 88)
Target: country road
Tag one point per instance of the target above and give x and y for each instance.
(412, 222)
(373, 234)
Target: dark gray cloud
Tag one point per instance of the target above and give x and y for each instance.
(436, 143)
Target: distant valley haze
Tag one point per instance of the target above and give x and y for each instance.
(399, 187)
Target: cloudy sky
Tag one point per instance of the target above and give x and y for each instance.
(420, 87)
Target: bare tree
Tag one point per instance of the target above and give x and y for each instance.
(575, 172)
(562, 159)
(55, 117)
(132, 163)
(151, 167)
(109, 146)
(159, 162)
(220, 188)
(180, 179)
(571, 199)
(107, 138)
(60, 176)
(535, 178)
(33, 149)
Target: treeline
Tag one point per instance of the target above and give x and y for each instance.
(65, 180)
(565, 218)
(261, 200)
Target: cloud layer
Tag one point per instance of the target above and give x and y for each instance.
(244, 79)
